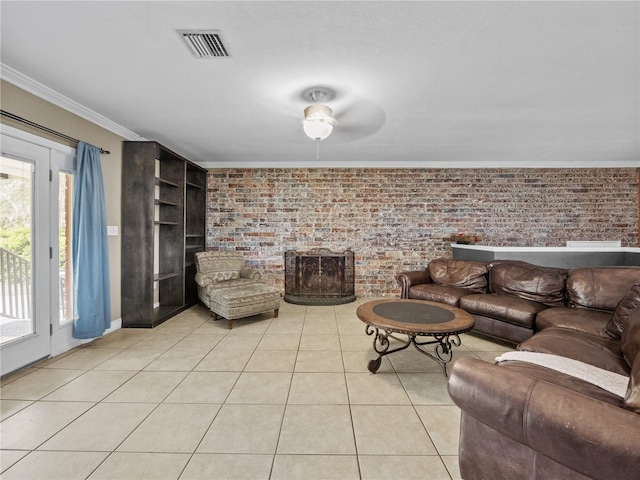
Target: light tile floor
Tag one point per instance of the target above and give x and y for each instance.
(285, 398)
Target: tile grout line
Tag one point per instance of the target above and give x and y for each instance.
(286, 403)
(353, 427)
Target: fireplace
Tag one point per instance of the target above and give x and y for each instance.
(319, 277)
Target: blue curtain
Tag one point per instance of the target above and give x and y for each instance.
(92, 302)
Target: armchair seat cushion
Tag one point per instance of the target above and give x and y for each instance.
(235, 283)
(208, 287)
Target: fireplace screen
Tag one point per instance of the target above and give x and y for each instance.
(319, 277)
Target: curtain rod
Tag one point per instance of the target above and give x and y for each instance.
(45, 129)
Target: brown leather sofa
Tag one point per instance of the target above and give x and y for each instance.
(525, 421)
(511, 300)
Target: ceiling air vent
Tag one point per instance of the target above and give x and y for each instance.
(205, 43)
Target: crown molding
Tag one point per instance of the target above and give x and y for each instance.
(36, 88)
(417, 164)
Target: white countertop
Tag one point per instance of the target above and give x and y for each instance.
(591, 248)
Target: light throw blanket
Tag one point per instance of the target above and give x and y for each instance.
(609, 381)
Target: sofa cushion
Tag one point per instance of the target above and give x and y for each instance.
(219, 260)
(620, 317)
(504, 331)
(435, 292)
(588, 321)
(632, 397)
(630, 342)
(600, 288)
(601, 352)
(631, 352)
(502, 307)
(224, 275)
(530, 282)
(459, 273)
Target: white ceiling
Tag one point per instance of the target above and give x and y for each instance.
(417, 84)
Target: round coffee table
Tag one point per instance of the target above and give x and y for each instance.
(414, 318)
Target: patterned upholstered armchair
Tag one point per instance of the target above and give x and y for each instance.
(230, 289)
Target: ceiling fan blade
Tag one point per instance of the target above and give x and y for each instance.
(359, 119)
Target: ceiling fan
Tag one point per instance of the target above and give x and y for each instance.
(318, 118)
(346, 117)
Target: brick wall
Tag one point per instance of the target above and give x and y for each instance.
(397, 219)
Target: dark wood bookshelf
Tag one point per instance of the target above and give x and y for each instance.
(159, 207)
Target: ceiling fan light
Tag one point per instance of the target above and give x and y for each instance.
(318, 120)
(317, 129)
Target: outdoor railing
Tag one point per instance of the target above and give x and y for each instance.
(15, 285)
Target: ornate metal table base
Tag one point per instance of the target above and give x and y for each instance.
(442, 324)
(443, 342)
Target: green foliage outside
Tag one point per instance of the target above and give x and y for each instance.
(17, 240)
(16, 212)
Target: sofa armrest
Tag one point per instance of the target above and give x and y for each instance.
(409, 278)
(204, 280)
(586, 435)
(250, 273)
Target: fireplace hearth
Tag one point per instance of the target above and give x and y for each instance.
(319, 277)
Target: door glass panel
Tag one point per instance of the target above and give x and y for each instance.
(65, 219)
(16, 249)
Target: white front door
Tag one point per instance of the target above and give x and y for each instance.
(35, 311)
